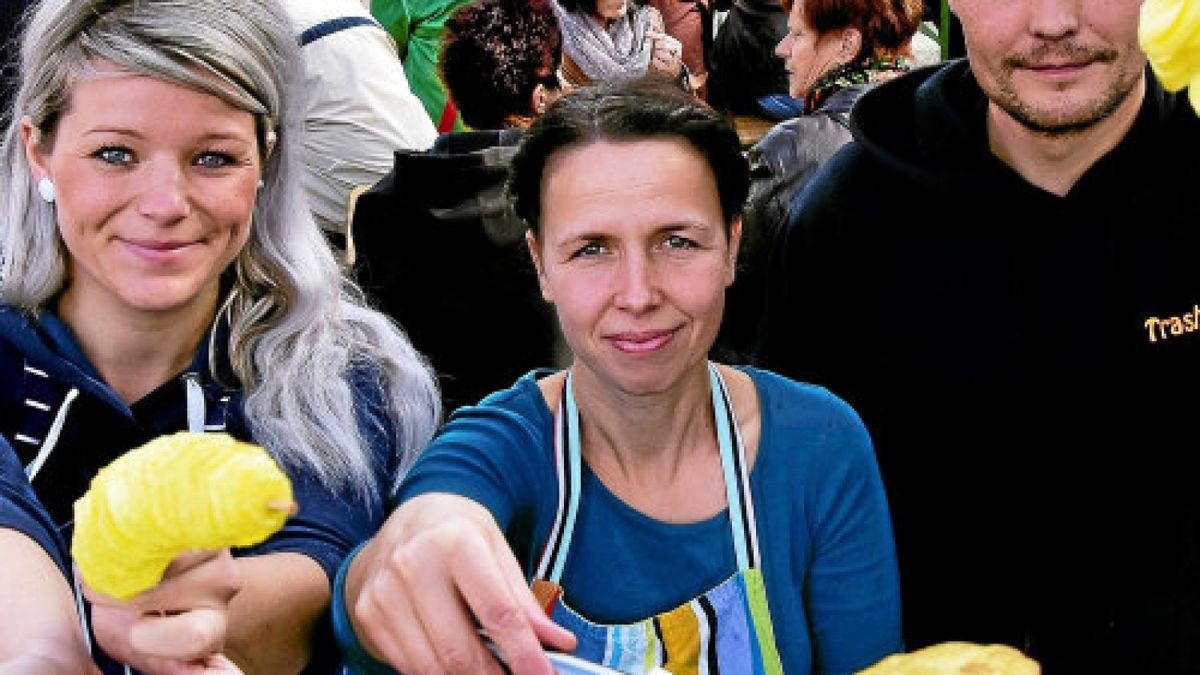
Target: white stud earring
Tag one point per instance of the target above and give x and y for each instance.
(261, 184)
(45, 188)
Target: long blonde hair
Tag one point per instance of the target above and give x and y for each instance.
(299, 331)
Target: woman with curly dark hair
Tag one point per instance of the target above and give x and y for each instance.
(500, 60)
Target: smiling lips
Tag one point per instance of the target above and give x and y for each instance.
(1059, 68)
(641, 342)
(1061, 59)
(158, 252)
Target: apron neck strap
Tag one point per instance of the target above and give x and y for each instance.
(737, 474)
(568, 463)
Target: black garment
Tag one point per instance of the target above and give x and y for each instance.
(11, 12)
(442, 252)
(781, 164)
(790, 154)
(1027, 365)
(742, 63)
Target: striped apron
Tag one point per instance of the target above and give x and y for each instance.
(726, 630)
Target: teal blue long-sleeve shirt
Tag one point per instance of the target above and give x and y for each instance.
(825, 533)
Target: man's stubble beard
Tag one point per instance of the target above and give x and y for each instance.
(1059, 123)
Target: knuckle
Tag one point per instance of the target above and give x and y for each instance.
(423, 666)
(458, 659)
(447, 539)
(205, 634)
(373, 619)
(446, 544)
(369, 612)
(214, 630)
(112, 630)
(505, 619)
(230, 581)
(403, 564)
(523, 656)
(365, 609)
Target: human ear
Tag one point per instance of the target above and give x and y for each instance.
(849, 46)
(31, 140)
(535, 252)
(271, 139)
(538, 99)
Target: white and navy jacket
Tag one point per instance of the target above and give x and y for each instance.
(60, 423)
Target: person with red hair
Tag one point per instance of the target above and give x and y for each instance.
(833, 52)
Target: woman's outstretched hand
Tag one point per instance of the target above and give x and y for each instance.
(177, 627)
(438, 574)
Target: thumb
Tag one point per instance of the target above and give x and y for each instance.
(192, 635)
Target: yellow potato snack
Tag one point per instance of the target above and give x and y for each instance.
(1169, 33)
(957, 658)
(181, 492)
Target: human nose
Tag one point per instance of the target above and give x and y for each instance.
(1053, 19)
(637, 281)
(164, 194)
(783, 49)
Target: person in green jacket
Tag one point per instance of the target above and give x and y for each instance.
(417, 27)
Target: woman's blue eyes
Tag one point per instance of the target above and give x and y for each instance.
(214, 160)
(118, 156)
(110, 155)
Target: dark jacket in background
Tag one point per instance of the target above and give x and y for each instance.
(442, 253)
(742, 62)
(1027, 366)
(781, 164)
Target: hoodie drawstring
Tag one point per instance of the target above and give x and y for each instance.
(60, 420)
(196, 413)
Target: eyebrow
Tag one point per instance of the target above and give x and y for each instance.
(665, 228)
(206, 137)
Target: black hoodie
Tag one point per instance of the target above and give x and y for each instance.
(442, 252)
(1028, 366)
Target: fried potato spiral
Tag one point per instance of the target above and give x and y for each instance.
(181, 492)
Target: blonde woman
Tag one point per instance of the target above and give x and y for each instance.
(161, 271)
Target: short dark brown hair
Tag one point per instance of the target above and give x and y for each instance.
(629, 110)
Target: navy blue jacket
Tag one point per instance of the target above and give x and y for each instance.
(59, 417)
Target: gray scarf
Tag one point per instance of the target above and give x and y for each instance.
(620, 52)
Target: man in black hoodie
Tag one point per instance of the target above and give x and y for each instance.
(1001, 275)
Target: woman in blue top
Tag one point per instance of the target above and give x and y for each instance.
(669, 511)
(161, 271)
